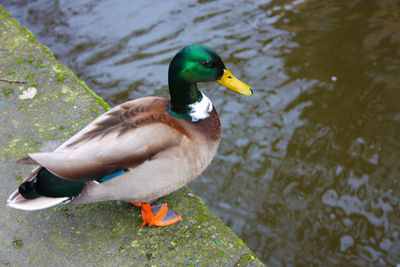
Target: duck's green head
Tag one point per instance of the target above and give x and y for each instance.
(198, 63)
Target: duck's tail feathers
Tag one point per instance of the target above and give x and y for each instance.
(17, 201)
(27, 161)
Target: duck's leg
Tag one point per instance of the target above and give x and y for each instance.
(158, 215)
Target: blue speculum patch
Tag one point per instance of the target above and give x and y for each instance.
(112, 175)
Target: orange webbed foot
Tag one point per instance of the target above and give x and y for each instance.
(158, 215)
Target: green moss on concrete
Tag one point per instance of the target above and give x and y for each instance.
(246, 260)
(107, 233)
(17, 243)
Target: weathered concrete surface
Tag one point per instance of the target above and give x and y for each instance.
(91, 235)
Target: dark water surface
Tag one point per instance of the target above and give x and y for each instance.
(308, 168)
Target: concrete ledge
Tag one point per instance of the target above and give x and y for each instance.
(55, 107)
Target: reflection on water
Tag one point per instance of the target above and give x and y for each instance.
(308, 168)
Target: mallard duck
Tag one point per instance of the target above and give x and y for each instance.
(138, 151)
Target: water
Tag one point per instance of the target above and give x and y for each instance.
(307, 172)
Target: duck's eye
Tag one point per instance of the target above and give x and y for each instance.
(207, 63)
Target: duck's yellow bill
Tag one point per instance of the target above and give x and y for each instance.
(234, 84)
